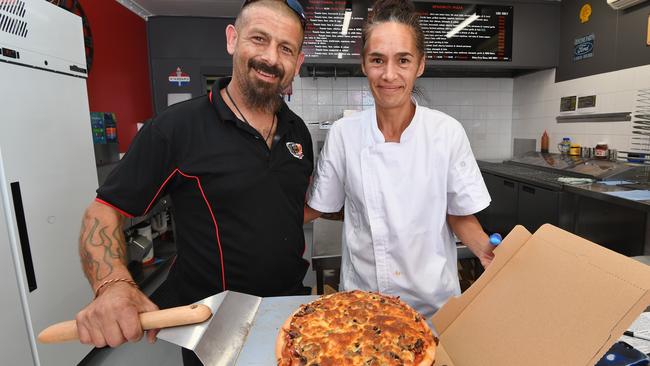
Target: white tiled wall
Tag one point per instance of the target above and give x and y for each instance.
(536, 103)
(482, 105)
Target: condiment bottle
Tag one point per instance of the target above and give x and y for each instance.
(600, 152)
(574, 150)
(544, 148)
(564, 145)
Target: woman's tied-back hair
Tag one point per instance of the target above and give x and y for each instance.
(398, 11)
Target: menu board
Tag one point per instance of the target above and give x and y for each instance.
(323, 38)
(485, 36)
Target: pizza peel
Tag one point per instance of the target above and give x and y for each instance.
(226, 329)
(242, 330)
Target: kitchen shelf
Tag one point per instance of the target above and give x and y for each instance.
(595, 117)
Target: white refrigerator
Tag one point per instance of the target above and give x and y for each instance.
(47, 178)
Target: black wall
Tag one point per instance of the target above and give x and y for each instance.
(620, 38)
(196, 45)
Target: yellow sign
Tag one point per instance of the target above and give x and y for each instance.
(585, 13)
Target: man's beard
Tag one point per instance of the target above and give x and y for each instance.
(259, 94)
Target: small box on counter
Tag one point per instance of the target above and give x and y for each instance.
(549, 298)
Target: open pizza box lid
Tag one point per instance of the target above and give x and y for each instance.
(549, 298)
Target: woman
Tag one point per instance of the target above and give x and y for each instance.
(405, 173)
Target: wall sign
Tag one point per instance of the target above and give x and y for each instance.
(179, 78)
(585, 13)
(568, 104)
(583, 47)
(453, 31)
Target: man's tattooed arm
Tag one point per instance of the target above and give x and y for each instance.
(102, 246)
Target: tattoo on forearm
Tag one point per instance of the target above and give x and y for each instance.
(99, 251)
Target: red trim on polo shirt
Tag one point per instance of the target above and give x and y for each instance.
(158, 192)
(214, 220)
(205, 199)
(124, 213)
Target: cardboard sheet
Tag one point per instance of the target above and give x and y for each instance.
(551, 298)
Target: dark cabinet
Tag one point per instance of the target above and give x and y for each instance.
(519, 203)
(537, 206)
(501, 215)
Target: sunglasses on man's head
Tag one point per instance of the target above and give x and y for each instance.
(294, 5)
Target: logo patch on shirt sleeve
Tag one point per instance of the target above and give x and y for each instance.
(295, 149)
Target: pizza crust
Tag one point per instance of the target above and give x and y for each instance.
(281, 340)
(429, 352)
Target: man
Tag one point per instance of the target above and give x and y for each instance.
(236, 164)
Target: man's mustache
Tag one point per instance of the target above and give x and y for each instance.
(266, 68)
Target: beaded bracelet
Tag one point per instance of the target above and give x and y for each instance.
(113, 281)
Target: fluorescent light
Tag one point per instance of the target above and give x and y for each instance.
(346, 21)
(462, 25)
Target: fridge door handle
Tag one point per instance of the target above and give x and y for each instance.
(23, 236)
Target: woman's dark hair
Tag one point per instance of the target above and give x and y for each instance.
(398, 11)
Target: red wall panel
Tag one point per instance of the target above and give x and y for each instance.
(119, 78)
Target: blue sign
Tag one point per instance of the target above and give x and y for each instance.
(583, 47)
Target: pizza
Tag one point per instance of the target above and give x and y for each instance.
(355, 328)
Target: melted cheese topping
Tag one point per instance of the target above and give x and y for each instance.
(356, 328)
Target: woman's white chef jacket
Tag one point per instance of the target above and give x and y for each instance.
(396, 239)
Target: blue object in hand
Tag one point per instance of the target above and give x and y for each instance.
(495, 239)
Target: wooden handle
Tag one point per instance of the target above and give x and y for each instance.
(182, 315)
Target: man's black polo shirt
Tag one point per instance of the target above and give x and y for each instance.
(238, 205)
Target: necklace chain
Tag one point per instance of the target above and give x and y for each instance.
(244, 117)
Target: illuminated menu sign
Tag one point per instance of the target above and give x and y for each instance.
(324, 38)
(466, 31)
(452, 31)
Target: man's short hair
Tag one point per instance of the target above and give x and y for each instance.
(277, 5)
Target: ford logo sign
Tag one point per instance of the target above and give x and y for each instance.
(583, 48)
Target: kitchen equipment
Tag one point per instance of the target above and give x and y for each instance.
(242, 330)
(47, 177)
(522, 146)
(140, 248)
(182, 315)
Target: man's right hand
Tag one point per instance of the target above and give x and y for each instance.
(113, 317)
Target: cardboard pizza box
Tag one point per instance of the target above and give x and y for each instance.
(549, 298)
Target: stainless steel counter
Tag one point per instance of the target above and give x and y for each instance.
(588, 210)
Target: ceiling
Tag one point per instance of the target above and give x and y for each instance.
(201, 8)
